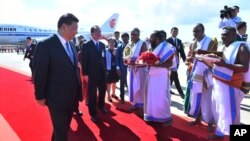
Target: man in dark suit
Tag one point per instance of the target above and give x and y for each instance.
(94, 71)
(57, 77)
(118, 42)
(120, 66)
(241, 31)
(177, 43)
(30, 49)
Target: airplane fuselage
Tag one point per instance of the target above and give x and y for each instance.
(15, 34)
(12, 34)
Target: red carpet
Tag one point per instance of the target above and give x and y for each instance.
(31, 122)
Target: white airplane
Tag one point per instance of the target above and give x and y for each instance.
(14, 34)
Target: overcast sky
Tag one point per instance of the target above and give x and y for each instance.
(147, 15)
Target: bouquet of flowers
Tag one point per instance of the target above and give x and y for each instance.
(148, 58)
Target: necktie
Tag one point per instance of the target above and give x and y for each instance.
(97, 46)
(175, 41)
(177, 55)
(70, 53)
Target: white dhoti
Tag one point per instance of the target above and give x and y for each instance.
(201, 101)
(225, 106)
(157, 99)
(136, 79)
(200, 94)
(226, 99)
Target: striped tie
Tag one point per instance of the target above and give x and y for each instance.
(70, 53)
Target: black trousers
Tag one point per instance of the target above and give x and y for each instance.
(123, 83)
(31, 66)
(61, 119)
(174, 78)
(96, 83)
(76, 108)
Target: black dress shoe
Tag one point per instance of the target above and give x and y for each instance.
(79, 113)
(114, 96)
(110, 100)
(210, 127)
(172, 92)
(182, 96)
(193, 123)
(105, 111)
(94, 118)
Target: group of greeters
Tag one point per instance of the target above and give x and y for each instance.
(58, 81)
(149, 85)
(218, 79)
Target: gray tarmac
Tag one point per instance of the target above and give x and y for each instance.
(15, 62)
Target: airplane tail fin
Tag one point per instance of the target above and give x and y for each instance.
(110, 24)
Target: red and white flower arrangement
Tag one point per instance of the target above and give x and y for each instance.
(148, 58)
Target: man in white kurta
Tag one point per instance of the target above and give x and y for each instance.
(226, 96)
(157, 98)
(201, 86)
(201, 81)
(136, 75)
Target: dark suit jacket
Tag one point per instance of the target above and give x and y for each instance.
(243, 38)
(55, 77)
(179, 48)
(30, 51)
(118, 43)
(93, 60)
(119, 57)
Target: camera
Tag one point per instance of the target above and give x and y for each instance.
(226, 12)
